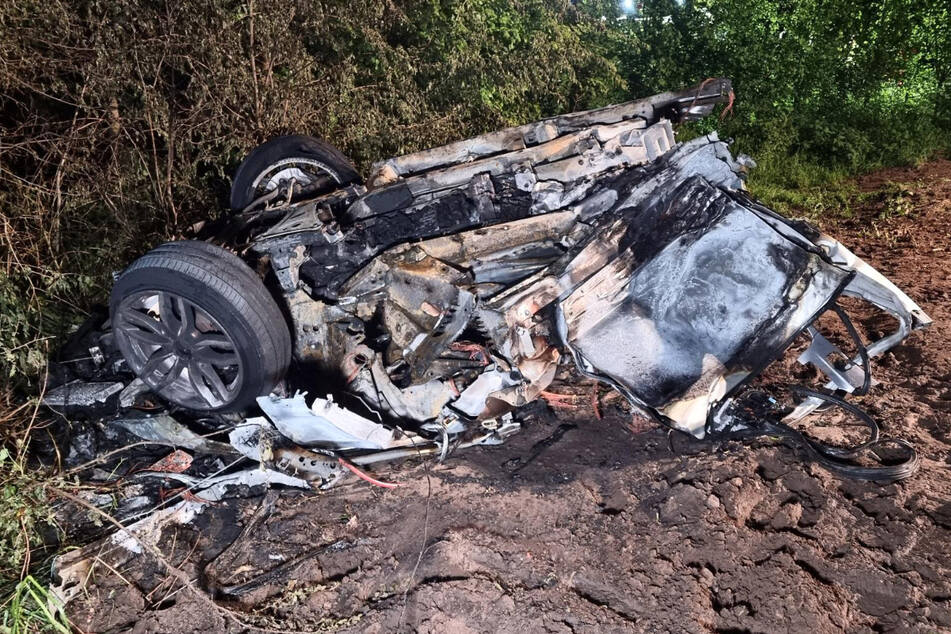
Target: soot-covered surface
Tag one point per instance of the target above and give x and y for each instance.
(586, 525)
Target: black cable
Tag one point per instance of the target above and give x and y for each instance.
(840, 460)
(863, 352)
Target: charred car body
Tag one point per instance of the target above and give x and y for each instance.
(443, 294)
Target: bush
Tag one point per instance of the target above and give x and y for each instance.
(832, 87)
(122, 121)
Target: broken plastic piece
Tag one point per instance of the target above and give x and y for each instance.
(324, 423)
(81, 394)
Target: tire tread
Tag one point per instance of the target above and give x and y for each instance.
(226, 275)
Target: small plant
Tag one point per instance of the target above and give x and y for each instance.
(32, 608)
(896, 200)
(25, 512)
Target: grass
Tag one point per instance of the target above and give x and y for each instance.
(26, 523)
(795, 187)
(30, 608)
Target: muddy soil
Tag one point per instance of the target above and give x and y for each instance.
(581, 524)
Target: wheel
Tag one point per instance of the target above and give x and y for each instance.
(198, 326)
(317, 167)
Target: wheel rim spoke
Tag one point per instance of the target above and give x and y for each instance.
(167, 312)
(154, 362)
(179, 349)
(214, 381)
(148, 337)
(186, 312)
(195, 378)
(208, 340)
(172, 375)
(216, 358)
(144, 322)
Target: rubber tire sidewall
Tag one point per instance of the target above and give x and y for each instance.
(261, 373)
(285, 147)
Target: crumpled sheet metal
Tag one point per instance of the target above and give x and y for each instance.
(258, 439)
(219, 487)
(324, 423)
(472, 402)
(721, 298)
(691, 103)
(690, 286)
(81, 393)
(419, 402)
(165, 430)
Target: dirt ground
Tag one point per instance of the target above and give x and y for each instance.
(580, 524)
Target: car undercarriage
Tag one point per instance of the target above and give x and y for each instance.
(328, 324)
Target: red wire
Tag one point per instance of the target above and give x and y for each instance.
(594, 402)
(368, 478)
(729, 106)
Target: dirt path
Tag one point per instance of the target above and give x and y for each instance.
(586, 525)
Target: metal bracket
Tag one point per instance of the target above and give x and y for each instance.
(818, 354)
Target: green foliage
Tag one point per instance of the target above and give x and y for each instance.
(24, 514)
(30, 608)
(824, 87)
(26, 519)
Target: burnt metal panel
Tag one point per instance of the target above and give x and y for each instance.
(702, 293)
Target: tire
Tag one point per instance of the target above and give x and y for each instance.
(198, 326)
(311, 153)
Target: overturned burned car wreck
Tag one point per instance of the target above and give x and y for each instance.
(330, 323)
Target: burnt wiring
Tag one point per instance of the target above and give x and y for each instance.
(842, 460)
(365, 476)
(863, 351)
(761, 415)
(757, 414)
